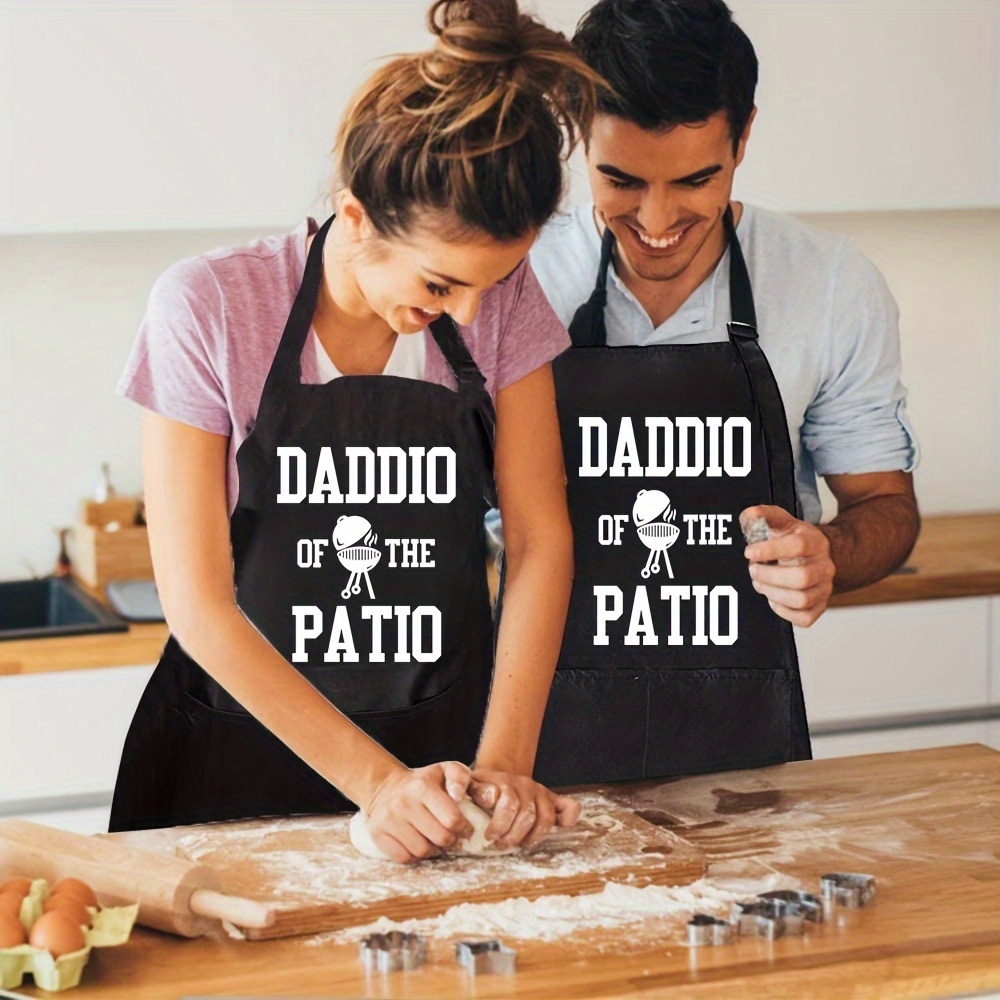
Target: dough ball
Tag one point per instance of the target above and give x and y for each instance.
(361, 838)
(475, 845)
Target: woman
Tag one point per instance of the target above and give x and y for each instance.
(318, 455)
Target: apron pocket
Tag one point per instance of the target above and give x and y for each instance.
(594, 727)
(611, 724)
(718, 718)
(355, 688)
(446, 726)
(233, 767)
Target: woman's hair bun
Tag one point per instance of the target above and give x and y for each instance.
(477, 124)
(478, 31)
(489, 51)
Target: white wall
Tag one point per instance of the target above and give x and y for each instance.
(179, 114)
(69, 308)
(944, 269)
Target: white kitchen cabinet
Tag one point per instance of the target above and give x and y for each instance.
(893, 740)
(138, 116)
(897, 659)
(61, 734)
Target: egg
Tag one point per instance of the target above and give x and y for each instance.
(10, 902)
(11, 932)
(70, 905)
(56, 933)
(74, 887)
(17, 884)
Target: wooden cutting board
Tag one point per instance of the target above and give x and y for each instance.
(306, 869)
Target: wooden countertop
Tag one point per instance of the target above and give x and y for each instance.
(955, 556)
(141, 644)
(924, 823)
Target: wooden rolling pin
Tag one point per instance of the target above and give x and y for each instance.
(174, 895)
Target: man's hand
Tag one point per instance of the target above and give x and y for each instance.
(799, 586)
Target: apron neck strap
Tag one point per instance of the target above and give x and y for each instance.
(764, 389)
(451, 344)
(741, 306)
(588, 328)
(607, 249)
(286, 368)
(471, 385)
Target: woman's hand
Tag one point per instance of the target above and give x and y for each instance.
(523, 810)
(413, 814)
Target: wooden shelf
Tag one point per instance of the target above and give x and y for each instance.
(955, 556)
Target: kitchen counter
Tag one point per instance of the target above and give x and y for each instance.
(924, 823)
(140, 645)
(955, 556)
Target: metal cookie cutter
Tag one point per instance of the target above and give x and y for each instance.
(848, 889)
(768, 918)
(392, 951)
(704, 929)
(481, 957)
(811, 906)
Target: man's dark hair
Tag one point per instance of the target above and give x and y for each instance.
(670, 62)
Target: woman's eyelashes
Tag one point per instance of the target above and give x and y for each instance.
(437, 290)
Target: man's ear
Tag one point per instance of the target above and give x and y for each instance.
(741, 146)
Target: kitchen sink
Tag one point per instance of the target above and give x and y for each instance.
(52, 606)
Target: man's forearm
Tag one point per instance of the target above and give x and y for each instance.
(871, 538)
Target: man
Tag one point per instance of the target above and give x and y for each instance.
(703, 395)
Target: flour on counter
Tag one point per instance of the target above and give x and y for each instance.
(308, 859)
(551, 917)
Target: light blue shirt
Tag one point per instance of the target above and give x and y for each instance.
(827, 321)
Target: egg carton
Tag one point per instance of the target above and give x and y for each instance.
(111, 926)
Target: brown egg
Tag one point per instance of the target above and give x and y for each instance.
(71, 905)
(74, 887)
(17, 884)
(56, 933)
(10, 902)
(11, 932)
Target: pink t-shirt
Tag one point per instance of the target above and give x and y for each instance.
(213, 324)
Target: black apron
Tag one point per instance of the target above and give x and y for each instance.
(702, 675)
(392, 613)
